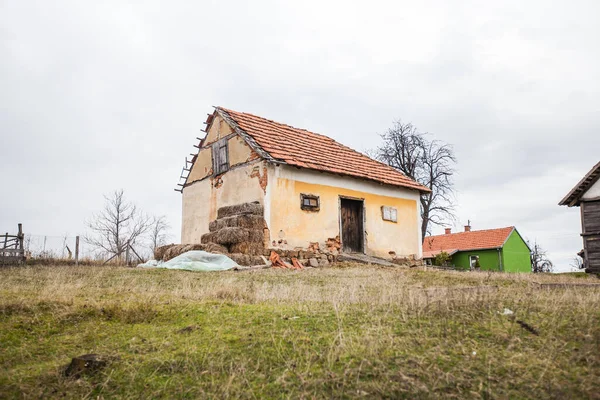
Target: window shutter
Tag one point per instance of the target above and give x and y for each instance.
(220, 157)
(223, 156)
(216, 158)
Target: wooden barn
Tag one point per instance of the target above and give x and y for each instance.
(586, 195)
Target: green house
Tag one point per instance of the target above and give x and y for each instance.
(500, 249)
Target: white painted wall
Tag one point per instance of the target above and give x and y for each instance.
(593, 192)
(202, 199)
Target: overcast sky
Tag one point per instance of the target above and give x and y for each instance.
(97, 96)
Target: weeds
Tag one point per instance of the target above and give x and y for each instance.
(354, 332)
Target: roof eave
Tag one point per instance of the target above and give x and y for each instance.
(248, 138)
(574, 195)
(423, 190)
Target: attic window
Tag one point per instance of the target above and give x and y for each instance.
(309, 202)
(389, 214)
(220, 157)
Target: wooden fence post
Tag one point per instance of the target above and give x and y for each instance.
(21, 237)
(76, 250)
(127, 254)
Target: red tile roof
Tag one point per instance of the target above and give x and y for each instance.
(473, 240)
(306, 149)
(432, 254)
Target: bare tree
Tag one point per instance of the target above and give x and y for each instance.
(119, 223)
(577, 262)
(429, 162)
(159, 232)
(539, 259)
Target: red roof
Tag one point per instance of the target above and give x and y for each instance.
(433, 253)
(306, 149)
(473, 240)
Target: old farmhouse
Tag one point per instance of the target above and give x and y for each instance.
(586, 195)
(500, 249)
(309, 191)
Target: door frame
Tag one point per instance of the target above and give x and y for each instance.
(364, 222)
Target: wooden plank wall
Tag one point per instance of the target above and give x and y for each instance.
(590, 221)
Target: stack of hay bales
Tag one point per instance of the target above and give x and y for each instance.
(238, 232)
(240, 228)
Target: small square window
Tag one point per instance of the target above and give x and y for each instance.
(389, 214)
(309, 202)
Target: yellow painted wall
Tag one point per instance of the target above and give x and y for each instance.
(302, 227)
(203, 165)
(239, 151)
(218, 129)
(202, 199)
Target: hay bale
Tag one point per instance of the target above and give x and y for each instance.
(178, 249)
(227, 236)
(231, 235)
(248, 221)
(255, 249)
(256, 236)
(168, 252)
(241, 259)
(215, 248)
(254, 208)
(208, 238)
(159, 252)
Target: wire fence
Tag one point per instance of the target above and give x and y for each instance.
(49, 249)
(72, 249)
(57, 247)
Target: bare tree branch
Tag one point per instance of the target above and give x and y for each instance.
(539, 258)
(158, 232)
(429, 162)
(120, 222)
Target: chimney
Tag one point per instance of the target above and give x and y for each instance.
(448, 231)
(467, 228)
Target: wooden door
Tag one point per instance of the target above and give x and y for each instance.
(351, 215)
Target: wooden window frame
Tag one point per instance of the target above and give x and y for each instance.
(306, 207)
(471, 264)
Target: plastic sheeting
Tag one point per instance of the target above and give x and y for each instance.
(196, 260)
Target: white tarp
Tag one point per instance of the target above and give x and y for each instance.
(196, 260)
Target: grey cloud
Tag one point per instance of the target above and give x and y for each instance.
(100, 96)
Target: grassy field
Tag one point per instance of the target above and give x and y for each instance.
(350, 331)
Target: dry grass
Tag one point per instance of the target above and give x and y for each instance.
(350, 331)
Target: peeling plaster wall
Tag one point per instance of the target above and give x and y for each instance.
(218, 129)
(239, 151)
(202, 199)
(287, 220)
(202, 166)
